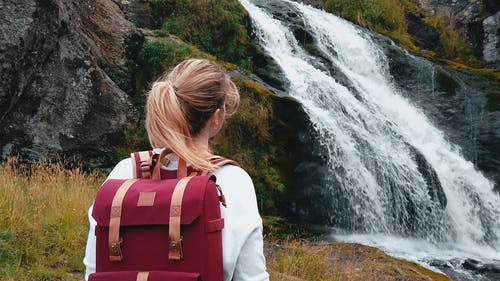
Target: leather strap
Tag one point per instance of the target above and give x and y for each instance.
(181, 169)
(145, 159)
(142, 276)
(221, 161)
(134, 165)
(157, 168)
(174, 225)
(115, 252)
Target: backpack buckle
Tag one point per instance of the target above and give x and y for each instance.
(175, 248)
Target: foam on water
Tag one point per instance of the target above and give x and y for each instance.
(368, 132)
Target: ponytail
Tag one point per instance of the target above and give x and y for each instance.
(179, 106)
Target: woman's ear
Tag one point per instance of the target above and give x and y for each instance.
(215, 122)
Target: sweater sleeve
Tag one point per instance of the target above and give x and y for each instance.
(242, 234)
(123, 170)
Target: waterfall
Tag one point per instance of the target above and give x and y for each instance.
(390, 170)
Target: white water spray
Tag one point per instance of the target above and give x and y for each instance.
(371, 135)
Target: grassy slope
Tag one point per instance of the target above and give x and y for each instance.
(43, 221)
(43, 229)
(388, 18)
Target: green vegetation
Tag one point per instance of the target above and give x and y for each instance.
(158, 56)
(215, 27)
(43, 220)
(43, 231)
(388, 17)
(384, 16)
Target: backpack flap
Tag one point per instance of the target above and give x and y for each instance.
(137, 211)
(145, 202)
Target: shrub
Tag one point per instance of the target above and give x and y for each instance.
(215, 27)
(157, 56)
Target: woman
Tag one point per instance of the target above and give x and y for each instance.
(184, 110)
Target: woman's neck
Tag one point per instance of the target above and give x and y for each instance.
(201, 140)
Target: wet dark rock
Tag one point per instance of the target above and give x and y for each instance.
(64, 82)
(465, 106)
(434, 187)
(488, 271)
(425, 36)
(303, 36)
(302, 163)
(245, 75)
(266, 68)
(445, 83)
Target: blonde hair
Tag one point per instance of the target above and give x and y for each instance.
(180, 104)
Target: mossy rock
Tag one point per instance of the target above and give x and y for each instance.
(446, 83)
(342, 261)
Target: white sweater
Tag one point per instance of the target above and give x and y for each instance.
(242, 241)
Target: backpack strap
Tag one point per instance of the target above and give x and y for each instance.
(174, 224)
(141, 164)
(221, 161)
(114, 240)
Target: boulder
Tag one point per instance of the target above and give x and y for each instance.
(64, 79)
(491, 47)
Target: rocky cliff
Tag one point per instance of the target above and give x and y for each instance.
(64, 82)
(478, 20)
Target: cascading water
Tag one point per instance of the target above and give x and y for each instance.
(390, 171)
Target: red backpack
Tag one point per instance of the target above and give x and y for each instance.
(161, 225)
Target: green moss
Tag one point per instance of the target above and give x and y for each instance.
(157, 56)
(455, 46)
(171, 26)
(215, 27)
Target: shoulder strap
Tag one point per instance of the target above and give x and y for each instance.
(141, 164)
(221, 161)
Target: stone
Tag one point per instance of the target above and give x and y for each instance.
(64, 83)
(491, 47)
(426, 37)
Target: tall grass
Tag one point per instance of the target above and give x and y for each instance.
(383, 16)
(43, 223)
(43, 230)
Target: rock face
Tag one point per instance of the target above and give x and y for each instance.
(491, 48)
(479, 20)
(64, 81)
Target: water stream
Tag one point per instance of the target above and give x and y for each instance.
(394, 178)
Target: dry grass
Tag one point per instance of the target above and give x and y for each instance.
(342, 262)
(43, 228)
(43, 221)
